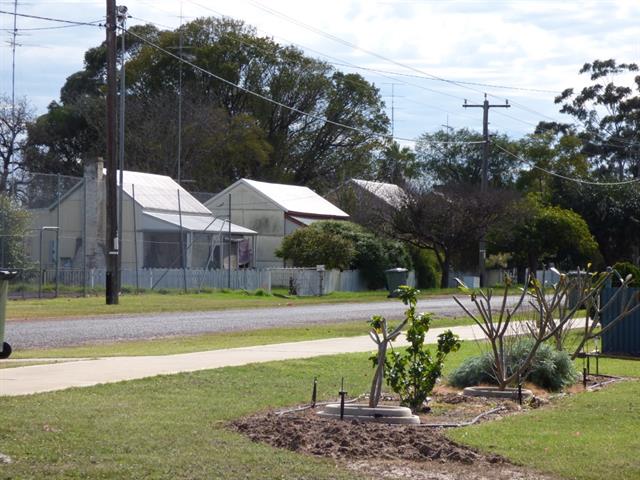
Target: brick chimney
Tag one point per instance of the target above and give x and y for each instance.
(95, 212)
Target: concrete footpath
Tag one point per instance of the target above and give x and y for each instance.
(87, 372)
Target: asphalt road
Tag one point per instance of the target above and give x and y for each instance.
(67, 332)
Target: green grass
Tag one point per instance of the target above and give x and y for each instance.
(174, 426)
(216, 341)
(179, 302)
(588, 436)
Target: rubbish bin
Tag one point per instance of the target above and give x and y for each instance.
(5, 276)
(395, 278)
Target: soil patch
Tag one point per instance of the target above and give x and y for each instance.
(378, 450)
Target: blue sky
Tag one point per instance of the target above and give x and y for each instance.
(525, 44)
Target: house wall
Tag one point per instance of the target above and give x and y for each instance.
(251, 210)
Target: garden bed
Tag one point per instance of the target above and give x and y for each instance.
(381, 450)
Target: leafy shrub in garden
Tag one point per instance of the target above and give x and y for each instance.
(550, 369)
(413, 372)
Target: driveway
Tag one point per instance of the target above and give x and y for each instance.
(113, 328)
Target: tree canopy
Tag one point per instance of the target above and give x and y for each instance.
(534, 232)
(461, 162)
(322, 126)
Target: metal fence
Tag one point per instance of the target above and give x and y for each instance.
(55, 233)
(623, 338)
(310, 281)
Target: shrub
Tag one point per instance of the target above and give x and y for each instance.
(412, 373)
(550, 369)
(624, 269)
(426, 268)
(345, 245)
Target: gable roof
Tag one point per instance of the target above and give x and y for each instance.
(291, 198)
(390, 193)
(159, 192)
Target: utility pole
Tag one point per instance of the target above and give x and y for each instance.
(122, 18)
(111, 281)
(484, 182)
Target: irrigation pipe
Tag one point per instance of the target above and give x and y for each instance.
(317, 404)
(463, 424)
(611, 378)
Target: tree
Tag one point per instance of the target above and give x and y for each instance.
(534, 232)
(611, 212)
(461, 162)
(552, 315)
(14, 223)
(397, 164)
(555, 149)
(226, 131)
(608, 116)
(13, 127)
(449, 220)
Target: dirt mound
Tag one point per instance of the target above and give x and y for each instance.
(355, 440)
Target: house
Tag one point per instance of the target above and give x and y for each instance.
(164, 226)
(366, 201)
(274, 211)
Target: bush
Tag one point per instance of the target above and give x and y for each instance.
(550, 369)
(345, 245)
(624, 269)
(426, 268)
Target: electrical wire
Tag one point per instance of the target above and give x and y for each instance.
(275, 102)
(50, 19)
(570, 179)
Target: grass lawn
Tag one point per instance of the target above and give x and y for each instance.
(216, 341)
(174, 426)
(180, 302)
(586, 436)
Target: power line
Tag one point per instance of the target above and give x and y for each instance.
(340, 62)
(570, 179)
(50, 19)
(463, 82)
(275, 102)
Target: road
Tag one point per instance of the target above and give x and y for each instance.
(67, 332)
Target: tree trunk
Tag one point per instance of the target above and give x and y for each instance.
(445, 266)
(376, 384)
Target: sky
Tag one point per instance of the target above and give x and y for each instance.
(425, 56)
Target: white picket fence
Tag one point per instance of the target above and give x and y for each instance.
(305, 281)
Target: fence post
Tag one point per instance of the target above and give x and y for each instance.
(57, 232)
(84, 237)
(135, 235)
(183, 253)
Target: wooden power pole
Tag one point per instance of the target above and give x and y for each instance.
(112, 188)
(484, 182)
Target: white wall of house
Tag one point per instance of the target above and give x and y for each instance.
(252, 210)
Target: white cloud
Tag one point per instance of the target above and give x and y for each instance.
(538, 44)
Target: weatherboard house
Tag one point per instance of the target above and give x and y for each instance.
(274, 211)
(161, 220)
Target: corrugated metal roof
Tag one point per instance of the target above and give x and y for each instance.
(160, 192)
(304, 220)
(194, 223)
(292, 198)
(388, 192)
